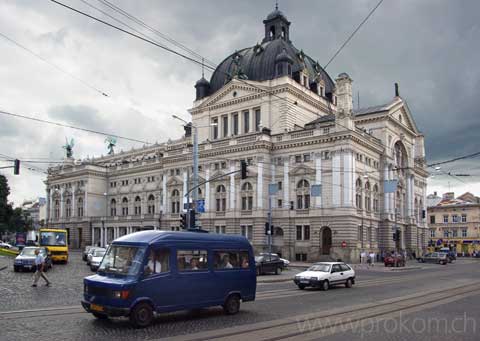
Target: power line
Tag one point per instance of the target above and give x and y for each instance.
(71, 127)
(53, 65)
(469, 156)
(353, 33)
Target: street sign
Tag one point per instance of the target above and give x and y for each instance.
(201, 206)
(272, 189)
(316, 190)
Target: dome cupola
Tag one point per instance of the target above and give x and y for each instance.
(277, 26)
(203, 88)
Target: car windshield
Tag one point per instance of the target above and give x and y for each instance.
(28, 251)
(319, 267)
(53, 238)
(98, 253)
(258, 258)
(123, 260)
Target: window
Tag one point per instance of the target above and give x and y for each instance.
(326, 130)
(68, 208)
(151, 204)
(368, 199)
(464, 233)
(464, 218)
(220, 229)
(124, 207)
(247, 231)
(223, 165)
(175, 201)
(301, 257)
(303, 232)
(298, 158)
(228, 259)
(455, 218)
(246, 122)
(192, 260)
(113, 208)
(279, 203)
(432, 219)
(303, 195)
(247, 196)
(235, 124)
(432, 233)
(214, 128)
(326, 155)
(224, 126)
(221, 200)
(306, 232)
(158, 262)
(279, 185)
(80, 207)
(446, 233)
(445, 218)
(306, 157)
(258, 119)
(138, 206)
(177, 171)
(455, 233)
(375, 198)
(358, 193)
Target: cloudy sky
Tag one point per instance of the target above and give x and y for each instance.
(429, 47)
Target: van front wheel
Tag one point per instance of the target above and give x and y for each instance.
(232, 305)
(141, 315)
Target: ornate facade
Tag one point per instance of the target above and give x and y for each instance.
(276, 108)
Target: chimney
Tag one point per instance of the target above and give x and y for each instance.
(343, 85)
(435, 194)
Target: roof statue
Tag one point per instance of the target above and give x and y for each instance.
(111, 142)
(68, 148)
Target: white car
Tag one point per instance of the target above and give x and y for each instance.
(326, 274)
(5, 245)
(96, 259)
(91, 251)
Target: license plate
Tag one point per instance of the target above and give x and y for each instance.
(96, 307)
(304, 281)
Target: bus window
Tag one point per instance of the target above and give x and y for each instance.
(230, 259)
(192, 260)
(158, 261)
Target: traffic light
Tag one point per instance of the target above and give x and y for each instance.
(16, 167)
(183, 220)
(192, 219)
(394, 236)
(268, 229)
(243, 169)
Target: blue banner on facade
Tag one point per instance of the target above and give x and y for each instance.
(201, 206)
(390, 186)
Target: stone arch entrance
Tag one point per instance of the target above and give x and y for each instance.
(325, 240)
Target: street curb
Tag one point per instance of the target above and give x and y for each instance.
(10, 253)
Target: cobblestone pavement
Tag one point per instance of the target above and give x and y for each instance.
(17, 293)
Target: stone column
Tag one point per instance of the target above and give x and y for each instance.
(85, 202)
(336, 193)
(348, 187)
(260, 185)
(318, 177)
(391, 196)
(93, 235)
(386, 200)
(286, 185)
(102, 244)
(74, 214)
(207, 189)
(232, 187)
(164, 189)
(61, 203)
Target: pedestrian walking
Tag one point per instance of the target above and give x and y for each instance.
(372, 258)
(40, 267)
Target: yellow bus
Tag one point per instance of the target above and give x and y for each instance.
(56, 242)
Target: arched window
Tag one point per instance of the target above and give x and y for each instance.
(416, 216)
(375, 198)
(138, 206)
(151, 204)
(56, 209)
(272, 32)
(113, 208)
(247, 196)
(303, 195)
(68, 208)
(368, 198)
(358, 194)
(124, 206)
(175, 201)
(80, 207)
(221, 199)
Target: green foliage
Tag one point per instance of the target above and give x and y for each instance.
(11, 219)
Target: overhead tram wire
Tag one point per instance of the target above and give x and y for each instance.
(2, 112)
(469, 156)
(53, 65)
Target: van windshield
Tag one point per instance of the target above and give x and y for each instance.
(123, 260)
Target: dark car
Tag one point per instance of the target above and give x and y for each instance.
(26, 259)
(434, 257)
(394, 260)
(269, 263)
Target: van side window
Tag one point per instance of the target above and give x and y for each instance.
(158, 261)
(230, 259)
(192, 260)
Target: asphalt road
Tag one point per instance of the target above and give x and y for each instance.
(62, 318)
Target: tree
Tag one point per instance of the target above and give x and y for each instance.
(6, 210)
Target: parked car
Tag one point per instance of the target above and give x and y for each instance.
(4, 245)
(85, 252)
(286, 262)
(326, 274)
(96, 259)
(90, 253)
(269, 263)
(434, 257)
(26, 259)
(451, 255)
(394, 260)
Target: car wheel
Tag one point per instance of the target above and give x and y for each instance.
(15, 268)
(325, 285)
(348, 283)
(232, 305)
(278, 271)
(301, 286)
(100, 316)
(258, 272)
(141, 315)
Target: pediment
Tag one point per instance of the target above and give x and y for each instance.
(301, 170)
(174, 181)
(401, 110)
(234, 90)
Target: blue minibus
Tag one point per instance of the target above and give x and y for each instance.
(150, 272)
